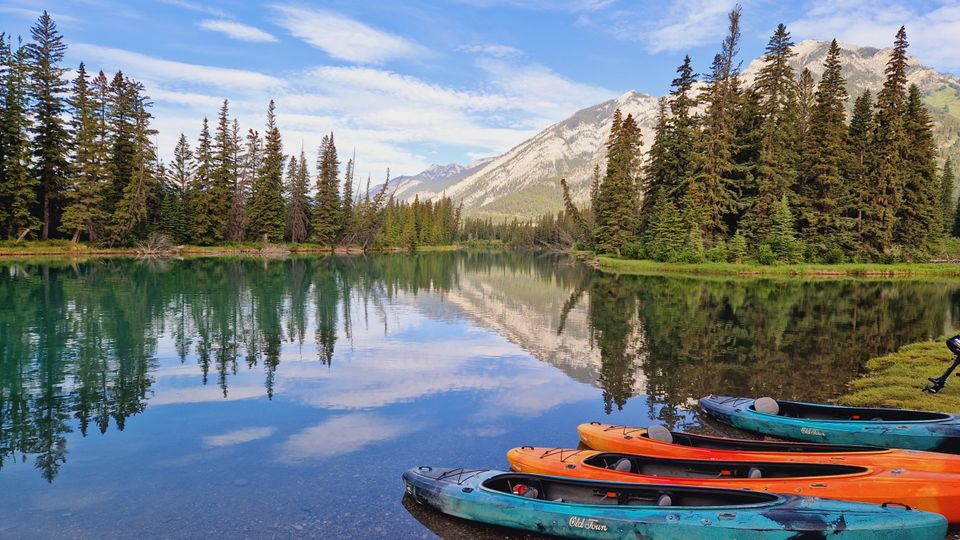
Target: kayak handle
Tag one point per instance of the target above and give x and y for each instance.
(424, 468)
(524, 447)
(891, 503)
(594, 423)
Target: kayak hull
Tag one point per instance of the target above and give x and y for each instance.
(931, 492)
(632, 440)
(940, 435)
(785, 517)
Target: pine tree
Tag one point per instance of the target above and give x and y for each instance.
(946, 197)
(120, 112)
(887, 169)
(347, 218)
(618, 200)
(17, 185)
(180, 179)
(251, 160)
(711, 199)
(668, 233)
(806, 101)
(657, 169)
(298, 202)
(782, 236)
(326, 219)
(267, 212)
(203, 228)
(956, 220)
(223, 174)
(918, 217)
(132, 211)
(776, 167)
(51, 140)
(856, 172)
(822, 194)
(83, 211)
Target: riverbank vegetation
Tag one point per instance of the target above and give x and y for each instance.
(896, 380)
(772, 172)
(78, 162)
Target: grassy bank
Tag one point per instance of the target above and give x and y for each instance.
(63, 248)
(631, 266)
(896, 380)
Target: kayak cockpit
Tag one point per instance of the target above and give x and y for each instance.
(810, 411)
(675, 468)
(716, 443)
(603, 493)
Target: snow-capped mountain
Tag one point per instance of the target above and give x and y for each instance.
(433, 181)
(524, 181)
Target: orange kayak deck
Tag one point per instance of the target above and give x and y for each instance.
(923, 490)
(633, 440)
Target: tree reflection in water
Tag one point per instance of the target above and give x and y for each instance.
(79, 341)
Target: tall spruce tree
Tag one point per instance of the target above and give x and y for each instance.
(251, 159)
(347, 214)
(711, 199)
(204, 227)
(326, 220)
(777, 159)
(51, 140)
(618, 200)
(657, 169)
(267, 213)
(857, 170)
(919, 220)
(179, 179)
(18, 195)
(83, 211)
(298, 201)
(887, 171)
(947, 209)
(223, 176)
(130, 217)
(822, 194)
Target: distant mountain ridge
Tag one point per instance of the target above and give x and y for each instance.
(524, 181)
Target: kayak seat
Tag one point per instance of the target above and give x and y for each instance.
(664, 500)
(766, 405)
(623, 465)
(754, 473)
(659, 433)
(531, 493)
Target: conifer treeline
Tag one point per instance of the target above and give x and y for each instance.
(77, 160)
(774, 171)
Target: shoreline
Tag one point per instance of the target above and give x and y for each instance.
(896, 380)
(57, 249)
(818, 271)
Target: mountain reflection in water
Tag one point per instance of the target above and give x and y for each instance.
(382, 345)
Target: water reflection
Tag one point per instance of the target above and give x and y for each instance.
(94, 343)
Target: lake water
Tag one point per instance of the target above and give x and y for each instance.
(238, 397)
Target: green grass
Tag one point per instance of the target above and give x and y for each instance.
(945, 100)
(896, 380)
(631, 266)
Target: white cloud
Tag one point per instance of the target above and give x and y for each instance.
(344, 38)
(341, 435)
(239, 31)
(140, 66)
(547, 5)
(34, 13)
(195, 6)
(494, 50)
(934, 35)
(239, 436)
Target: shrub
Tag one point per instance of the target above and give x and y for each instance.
(737, 249)
(633, 250)
(766, 255)
(834, 255)
(718, 252)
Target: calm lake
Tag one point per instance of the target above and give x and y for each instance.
(239, 397)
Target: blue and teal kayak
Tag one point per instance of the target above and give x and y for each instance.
(889, 428)
(577, 508)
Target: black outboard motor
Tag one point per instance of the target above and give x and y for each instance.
(954, 345)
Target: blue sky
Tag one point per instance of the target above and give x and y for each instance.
(416, 82)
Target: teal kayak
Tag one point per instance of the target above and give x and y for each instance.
(889, 428)
(577, 508)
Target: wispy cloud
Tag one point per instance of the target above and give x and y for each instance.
(547, 5)
(141, 66)
(341, 435)
(196, 6)
(934, 34)
(344, 38)
(239, 31)
(239, 436)
(28, 13)
(494, 50)
(677, 26)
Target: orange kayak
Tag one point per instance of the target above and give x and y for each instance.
(921, 490)
(664, 443)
